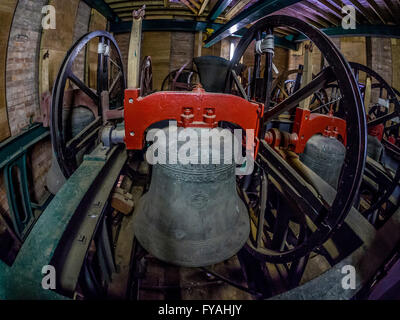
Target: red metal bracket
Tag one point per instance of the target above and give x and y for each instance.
(190, 109)
(377, 131)
(307, 124)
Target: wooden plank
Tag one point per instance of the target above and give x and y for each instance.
(396, 63)
(363, 10)
(185, 2)
(236, 9)
(392, 10)
(57, 42)
(157, 45)
(307, 73)
(182, 49)
(334, 9)
(194, 3)
(354, 49)
(324, 13)
(7, 8)
(367, 94)
(214, 50)
(45, 85)
(134, 53)
(382, 59)
(203, 6)
(198, 44)
(377, 10)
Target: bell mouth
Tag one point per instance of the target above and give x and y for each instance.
(187, 252)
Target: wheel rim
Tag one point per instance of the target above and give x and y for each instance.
(65, 150)
(353, 166)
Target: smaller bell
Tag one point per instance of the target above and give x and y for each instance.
(325, 156)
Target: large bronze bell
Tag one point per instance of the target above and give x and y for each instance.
(192, 215)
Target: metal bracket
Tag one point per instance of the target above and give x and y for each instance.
(13, 155)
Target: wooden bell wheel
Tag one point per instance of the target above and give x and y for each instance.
(109, 78)
(315, 213)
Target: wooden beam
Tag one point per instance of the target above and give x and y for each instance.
(203, 6)
(307, 73)
(331, 18)
(308, 17)
(162, 13)
(391, 10)
(361, 9)
(131, 4)
(187, 4)
(218, 8)
(331, 7)
(377, 10)
(253, 13)
(236, 9)
(135, 49)
(149, 10)
(199, 43)
(194, 3)
(340, 4)
(151, 7)
(45, 85)
(104, 8)
(281, 31)
(337, 11)
(367, 94)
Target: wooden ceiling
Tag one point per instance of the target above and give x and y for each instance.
(371, 15)
(321, 13)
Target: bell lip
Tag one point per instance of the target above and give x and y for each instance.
(243, 220)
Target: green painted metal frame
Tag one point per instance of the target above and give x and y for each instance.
(250, 15)
(23, 279)
(12, 148)
(13, 153)
(360, 30)
(103, 7)
(218, 8)
(22, 221)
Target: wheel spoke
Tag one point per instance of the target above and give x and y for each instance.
(292, 183)
(115, 82)
(256, 70)
(84, 87)
(85, 136)
(239, 85)
(263, 205)
(382, 119)
(378, 173)
(323, 78)
(281, 227)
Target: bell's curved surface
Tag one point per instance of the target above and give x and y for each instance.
(325, 156)
(374, 148)
(192, 216)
